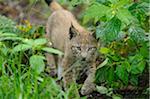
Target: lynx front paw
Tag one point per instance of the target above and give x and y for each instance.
(53, 73)
(88, 88)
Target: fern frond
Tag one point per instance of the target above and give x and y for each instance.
(7, 25)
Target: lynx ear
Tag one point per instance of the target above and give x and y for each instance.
(72, 32)
(48, 2)
(92, 33)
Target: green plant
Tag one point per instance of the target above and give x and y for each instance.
(108, 92)
(22, 63)
(120, 28)
(7, 25)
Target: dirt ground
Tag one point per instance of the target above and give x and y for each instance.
(18, 10)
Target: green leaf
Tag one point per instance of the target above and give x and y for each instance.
(116, 97)
(7, 34)
(40, 41)
(72, 92)
(134, 80)
(102, 89)
(11, 38)
(52, 50)
(28, 41)
(96, 10)
(101, 74)
(122, 73)
(111, 30)
(75, 2)
(125, 16)
(104, 50)
(103, 63)
(144, 51)
(135, 59)
(127, 65)
(7, 25)
(137, 64)
(21, 47)
(113, 1)
(114, 57)
(136, 33)
(37, 63)
(138, 68)
(122, 4)
(1, 62)
(141, 11)
(110, 75)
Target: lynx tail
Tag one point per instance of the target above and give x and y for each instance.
(54, 6)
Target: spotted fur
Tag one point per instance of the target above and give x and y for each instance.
(78, 44)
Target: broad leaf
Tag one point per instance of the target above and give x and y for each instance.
(101, 74)
(137, 64)
(7, 25)
(134, 80)
(104, 50)
(21, 47)
(125, 16)
(102, 89)
(52, 50)
(135, 59)
(11, 38)
(7, 34)
(28, 41)
(127, 65)
(111, 30)
(138, 68)
(121, 3)
(113, 1)
(136, 33)
(122, 73)
(97, 10)
(116, 96)
(1, 62)
(40, 41)
(103, 63)
(110, 75)
(37, 63)
(144, 51)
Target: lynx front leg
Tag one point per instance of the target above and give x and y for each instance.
(89, 85)
(51, 64)
(69, 79)
(68, 76)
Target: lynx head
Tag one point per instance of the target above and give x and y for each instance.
(83, 45)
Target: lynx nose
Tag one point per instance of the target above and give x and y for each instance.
(84, 54)
(83, 59)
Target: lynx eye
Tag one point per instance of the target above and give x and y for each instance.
(78, 48)
(91, 48)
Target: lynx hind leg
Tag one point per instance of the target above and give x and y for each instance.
(51, 68)
(89, 85)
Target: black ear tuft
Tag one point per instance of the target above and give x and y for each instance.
(48, 2)
(72, 32)
(94, 35)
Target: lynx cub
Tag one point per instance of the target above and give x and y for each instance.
(77, 43)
